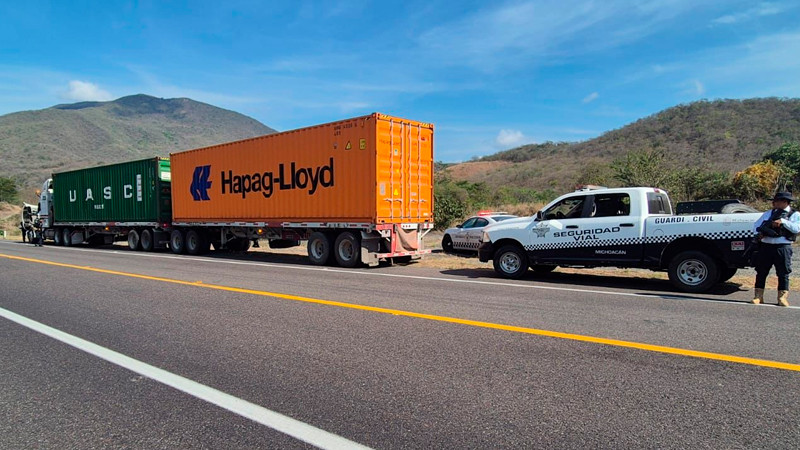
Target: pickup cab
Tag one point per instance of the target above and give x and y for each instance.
(622, 227)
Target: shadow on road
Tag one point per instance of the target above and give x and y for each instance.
(652, 285)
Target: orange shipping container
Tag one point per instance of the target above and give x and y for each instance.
(374, 169)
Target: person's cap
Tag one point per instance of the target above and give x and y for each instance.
(783, 196)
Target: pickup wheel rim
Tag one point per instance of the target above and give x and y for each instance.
(692, 272)
(510, 262)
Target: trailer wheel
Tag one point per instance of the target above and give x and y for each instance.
(196, 242)
(177, 243)
(133, 240)
(67, 237)
(510, 261)
(347, 249)
(243, 245)
(319, 248)
(58, 238)
(693, 271)
(146, 240)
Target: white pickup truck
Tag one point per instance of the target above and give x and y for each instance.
(622, 227)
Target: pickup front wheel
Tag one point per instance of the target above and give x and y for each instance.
(693, 271)
(510, 261)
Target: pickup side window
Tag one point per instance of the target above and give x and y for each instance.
(569, 208)
(610, 205)
(658, 203)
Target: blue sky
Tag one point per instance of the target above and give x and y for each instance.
(489, 75)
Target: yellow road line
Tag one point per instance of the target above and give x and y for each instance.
(473, 323)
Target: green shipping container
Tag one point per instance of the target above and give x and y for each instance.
(135, 192)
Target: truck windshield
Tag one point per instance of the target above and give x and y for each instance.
(658, 203)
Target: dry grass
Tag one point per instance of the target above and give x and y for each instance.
(9, 219)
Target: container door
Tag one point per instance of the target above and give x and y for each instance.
(405, 179)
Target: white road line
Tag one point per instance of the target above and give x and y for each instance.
(367, 272)
(284, 424)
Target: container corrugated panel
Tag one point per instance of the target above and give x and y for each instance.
(370, 169)
(135, 191)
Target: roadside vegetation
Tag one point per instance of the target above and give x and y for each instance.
(777, 170)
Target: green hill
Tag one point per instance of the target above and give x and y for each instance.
(33, 144)
(721, 135)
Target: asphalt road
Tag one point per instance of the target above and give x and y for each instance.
(393, 357)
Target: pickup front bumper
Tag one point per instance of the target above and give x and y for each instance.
(486, 252)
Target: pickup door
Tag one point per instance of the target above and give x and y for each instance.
(588, 229)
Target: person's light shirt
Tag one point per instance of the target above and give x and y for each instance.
(791, 223)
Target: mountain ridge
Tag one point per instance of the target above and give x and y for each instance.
(67, 136)
(719, 135)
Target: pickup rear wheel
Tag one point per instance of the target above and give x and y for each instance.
(510, 261)
(693, 271)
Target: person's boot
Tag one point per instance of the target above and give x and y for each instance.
(758, 297)
(783, 298)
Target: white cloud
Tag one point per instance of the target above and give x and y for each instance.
(546, 30)
(509, 138)
(591, 97)
(699, 89)
(83, 91)
(761, 10)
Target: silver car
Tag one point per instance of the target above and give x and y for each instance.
(467, 236)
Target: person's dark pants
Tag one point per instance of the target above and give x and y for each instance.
(778, 255)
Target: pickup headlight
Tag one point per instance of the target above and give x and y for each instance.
(485, 237)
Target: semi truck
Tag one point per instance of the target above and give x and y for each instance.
(358, 191)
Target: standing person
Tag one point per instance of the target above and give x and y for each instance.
(777, 229)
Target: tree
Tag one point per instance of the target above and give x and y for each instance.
(643, 168)
(8, 190)
(761, 180)
(787, 155)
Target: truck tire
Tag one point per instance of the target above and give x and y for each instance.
(693, 271)
(146, 240)
(66, 237)
(510, 261)
(177, 242)
(319, 248)
(134, 242)
(347, 249)
(196, 243)
(58, 238)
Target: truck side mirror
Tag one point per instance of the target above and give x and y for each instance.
(539, 215)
